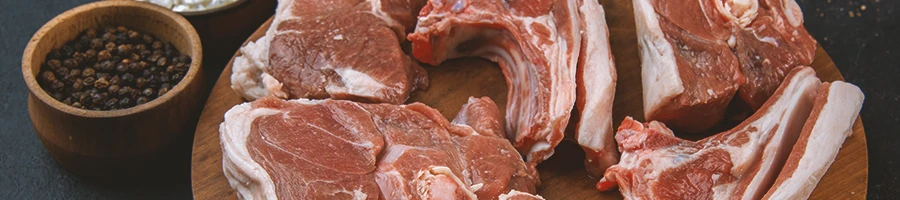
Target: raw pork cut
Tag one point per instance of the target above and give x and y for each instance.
(332, 49)
(516, 195)
(831, 121)
(540, 47)
(697, 54)
(737, 164)
(317, 149)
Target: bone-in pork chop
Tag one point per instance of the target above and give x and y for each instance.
(737, 164)
(319, 149)
(342, 49)
(541, 46)
(696, 55)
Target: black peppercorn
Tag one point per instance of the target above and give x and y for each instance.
(48, 76)
(78, 85)
(122, 68)
(111, 104)
(142, 100)
(124, 49)
(113, 89)
(157, 45)
(125, 92)
(103, 76)
(54, 63)
(162, 91)
(112, 68)
(111, 48)
(125, 103)
(101, 83)
(70, 63)
(127, 79)
(61, 72)
(87, 72)
(57, 85)
(89, 81)
(140, 82)
(149, 92)
(109, 37)
(97, 99)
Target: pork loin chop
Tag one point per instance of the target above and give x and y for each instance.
(697, 54)
(830, 123)
(317, 149)
(345, 50)
(737, 164)
(540, 47)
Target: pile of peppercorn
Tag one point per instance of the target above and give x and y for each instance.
(112, 68)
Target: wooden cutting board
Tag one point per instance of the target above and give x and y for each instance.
(563, 175)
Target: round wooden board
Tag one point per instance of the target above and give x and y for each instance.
(563, 175)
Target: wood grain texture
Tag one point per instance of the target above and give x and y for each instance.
(563, 175)
(102, 143)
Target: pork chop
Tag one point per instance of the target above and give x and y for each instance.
(740, 163)
(540, 47)
(349, 49)
(697, 54)
(317, 149)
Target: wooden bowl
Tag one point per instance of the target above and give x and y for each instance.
(118, 142)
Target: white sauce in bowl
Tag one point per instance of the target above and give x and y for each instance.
(190, 5)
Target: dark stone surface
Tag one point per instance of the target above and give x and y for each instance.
(864, 47)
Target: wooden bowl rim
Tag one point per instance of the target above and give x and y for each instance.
(192, 37)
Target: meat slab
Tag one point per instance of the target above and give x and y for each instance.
(696, 55)
(332, 49)
(830, 123)
(319, 149)
(544, 48)
(737, 164)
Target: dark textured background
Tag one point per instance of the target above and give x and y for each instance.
(862, 42)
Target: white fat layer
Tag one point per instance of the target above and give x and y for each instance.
(599, 78)
(787, 114)
(244, 174)
(515, 193)
(794, 110)
(793, 13)
(249, 69)
(829, 130)
(659, 73)
(356, 83)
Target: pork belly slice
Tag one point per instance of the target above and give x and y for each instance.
(697, 54)
(273, 148)
(830, 123)
(596, 87)
(538, 45)
(345, 50)
(740, 163)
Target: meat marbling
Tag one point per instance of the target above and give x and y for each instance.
(272, 148)
(697, 54)
(741, 163)
(830, 123)
(545, 49)
(345, 50)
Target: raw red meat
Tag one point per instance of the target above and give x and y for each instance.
(333, 49)
(831, 121)
(697, 54)
(737, 164)
(540, 46)
(318, 149)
